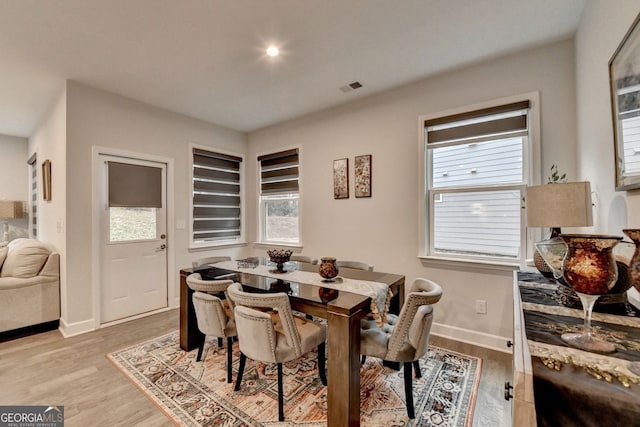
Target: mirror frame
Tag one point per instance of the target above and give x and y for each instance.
(621, 61)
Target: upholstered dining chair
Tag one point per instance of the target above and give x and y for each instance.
(358, 265)
(209, 260)
(211, 287)
(214, 320)
(276, 336)
(403, 338)
(304, 258)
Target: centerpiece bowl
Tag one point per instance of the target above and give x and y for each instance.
(279, 257)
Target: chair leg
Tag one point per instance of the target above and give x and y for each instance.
(201, 348)
(229, 358)
(363, 359)
(416, 367)
(408, 389)
(219, 341)
(280, 394)
(322, 363)
(243, 360)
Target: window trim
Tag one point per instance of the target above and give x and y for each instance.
(261, 238)
(241, 240)
(531, 176)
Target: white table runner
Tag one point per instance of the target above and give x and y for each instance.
(379, 293)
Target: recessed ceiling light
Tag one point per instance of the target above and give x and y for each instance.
(273, 51)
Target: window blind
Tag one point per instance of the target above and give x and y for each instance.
(478, 123)
(279, 172)
(32, 162)
(216, 196)
(134, 186)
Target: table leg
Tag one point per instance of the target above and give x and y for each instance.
(343, 397)
(190, 335)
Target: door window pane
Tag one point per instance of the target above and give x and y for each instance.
(126, 224)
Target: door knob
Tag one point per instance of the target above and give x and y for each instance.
(161, 248)
(163, 236)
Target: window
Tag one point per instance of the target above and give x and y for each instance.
(216, 199)
(33, 196)
(476, 171)
(279, 196)
(135, 197)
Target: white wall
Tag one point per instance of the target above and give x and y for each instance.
(383, 230)
(49, 142)
(14, 179)
(601, 29)
(102, 119)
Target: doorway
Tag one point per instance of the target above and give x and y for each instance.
(133, 241)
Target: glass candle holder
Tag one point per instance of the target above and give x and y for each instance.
(591, 270)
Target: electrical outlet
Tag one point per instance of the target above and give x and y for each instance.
(481, 306)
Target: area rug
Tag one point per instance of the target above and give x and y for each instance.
(195, 393)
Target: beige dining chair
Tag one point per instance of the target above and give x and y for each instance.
(209, 260)
(212, 287)
(304, 258)
(214, 319)
(358, 265)
(276, 336)
(403, 338)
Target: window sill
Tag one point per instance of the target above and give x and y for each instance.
(278, 245)
(210, 246)
(439, 261)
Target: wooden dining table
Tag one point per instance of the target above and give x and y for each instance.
(341, 308)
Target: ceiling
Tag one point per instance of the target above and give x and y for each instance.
(205, 58)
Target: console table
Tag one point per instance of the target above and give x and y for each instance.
(343, 311)
(556, 385)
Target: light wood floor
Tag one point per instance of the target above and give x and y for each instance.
(46, 369)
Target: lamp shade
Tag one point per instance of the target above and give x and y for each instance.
(9, 209)
(559, 205)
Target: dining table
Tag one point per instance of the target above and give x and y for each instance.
(343, 302)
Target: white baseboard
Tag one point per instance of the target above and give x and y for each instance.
(493, 342)
(68, 330)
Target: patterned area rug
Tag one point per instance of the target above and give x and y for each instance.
(196, 393)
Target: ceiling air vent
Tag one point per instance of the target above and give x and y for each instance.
(351, 86)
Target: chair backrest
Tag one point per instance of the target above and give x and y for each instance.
(358, 265)
(257, 335)
(410, 337)
(210, 314)
(304, 258)
(210, 260)
(195, 282)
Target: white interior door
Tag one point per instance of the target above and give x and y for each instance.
(133, 256)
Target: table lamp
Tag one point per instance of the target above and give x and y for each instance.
(556, 205)
(9, 210)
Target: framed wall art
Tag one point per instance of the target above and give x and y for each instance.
(624, 80)
(341, 179)
(363, 176)
(46, 180)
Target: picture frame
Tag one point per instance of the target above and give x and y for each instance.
(46, 180)
(624, 83)
(363, 176)
(341, 179)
